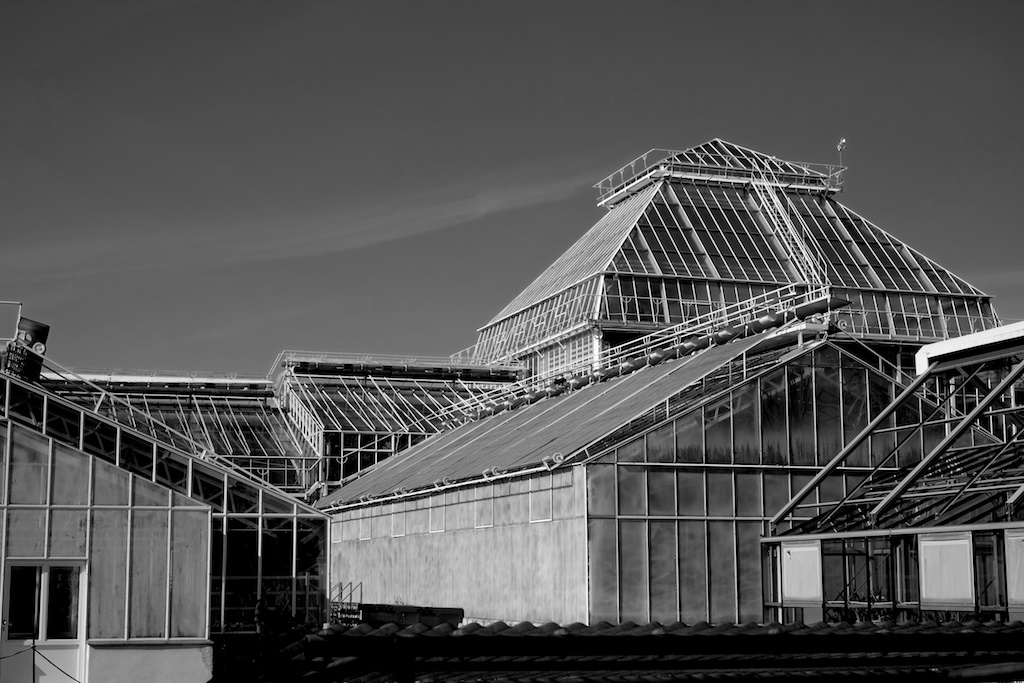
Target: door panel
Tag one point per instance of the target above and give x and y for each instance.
(42, 634)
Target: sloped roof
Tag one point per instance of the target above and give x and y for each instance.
(590, 254)
(643, 235)
(522, 438)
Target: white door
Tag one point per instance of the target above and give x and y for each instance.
(43, 623)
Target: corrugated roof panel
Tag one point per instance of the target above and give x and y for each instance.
(524, 437)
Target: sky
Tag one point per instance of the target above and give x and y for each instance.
(194, 186)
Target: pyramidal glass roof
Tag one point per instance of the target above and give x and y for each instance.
(696, 215)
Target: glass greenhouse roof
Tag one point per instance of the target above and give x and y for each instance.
(677, 241)
(518, 439)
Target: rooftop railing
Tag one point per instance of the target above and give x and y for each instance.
(464, 359)
(787, 297)
(664, 162)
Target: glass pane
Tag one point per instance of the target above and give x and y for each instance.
(603, 571)
(749, 579)
(690, 437)
(62, 602)
(746, 431)
(190, 533)
(23, 603)
(691, 493)
(171, 470)
(107, 563)
(241, 561)
(136, 455)
(208, 486)
(801, 415)
(99, 438)
(828, 420)
(147, 493)
(660, 444)
(601, 489)
(664, 567)
(693, 572)
(748, 494)
(717, 430)
(721, 571)
(26, 405)
(110, 485)
(70, 476)
(632, 490)
(148, 574)
(773, 417)
(631, 452)
(67, 533)
(62, 422)
(29, 464)
(242, 497)
(26, 533)
(661, 485)
(720, 494)
(633, 572)
(311, 569)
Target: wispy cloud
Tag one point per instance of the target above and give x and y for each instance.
(294, 237)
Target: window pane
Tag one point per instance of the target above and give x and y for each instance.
(717, 430)
(633, 571)
(148, 574)
(190, 532)
(26, 533)
(70, 476)
(691, 493)
(600, 490)
(67, 533)
(692, 572)
(801, 415)
(136, 455)
(664, 567)
(23, 603)
(110, 485)
(603, 571)
(660, 444)
(720, 493)
(690, 437)
(62, 602)
(746, 431)
(661, 485)
(721, 571)
(29, 465)
(100, 439)
(107, 563)
(62, 422)
(242, 566)
(632, 490)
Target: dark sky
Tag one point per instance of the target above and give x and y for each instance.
(198, 185)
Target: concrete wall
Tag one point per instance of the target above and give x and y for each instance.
(526, 560)
(119, 663)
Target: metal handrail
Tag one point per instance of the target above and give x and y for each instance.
(826, 176)
(341, 358)
(737, 313)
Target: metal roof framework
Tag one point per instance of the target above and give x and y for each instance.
(972, 471)
(755, 224)
(572, 427)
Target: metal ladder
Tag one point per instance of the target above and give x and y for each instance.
(807, 264)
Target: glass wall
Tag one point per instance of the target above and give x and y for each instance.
(147, 517)
(907, 576)
(675, 514)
